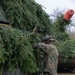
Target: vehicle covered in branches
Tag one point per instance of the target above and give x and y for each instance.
(67, 56)
(25, 23)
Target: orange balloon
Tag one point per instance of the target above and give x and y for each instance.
(68, 14)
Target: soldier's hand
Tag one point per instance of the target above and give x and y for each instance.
(34, 46)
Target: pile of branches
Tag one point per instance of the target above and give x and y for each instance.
(16, 51)
(29, 22)
(26, 15)
(67, 49)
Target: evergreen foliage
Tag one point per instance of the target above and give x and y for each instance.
(67, 49)
(59, 28)
(15, 50)
(38, 53)
(16, 46)
(26, 15)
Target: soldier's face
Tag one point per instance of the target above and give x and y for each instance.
(48, 41)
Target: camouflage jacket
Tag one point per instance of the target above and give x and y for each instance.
(50, 59)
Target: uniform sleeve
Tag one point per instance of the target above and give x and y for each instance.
(42, 46)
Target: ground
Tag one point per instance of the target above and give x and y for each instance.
(66, 74)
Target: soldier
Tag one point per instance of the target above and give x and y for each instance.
(51, 55)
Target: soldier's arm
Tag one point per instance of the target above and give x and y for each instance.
(41, 46)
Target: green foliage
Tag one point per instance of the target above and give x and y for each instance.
(59, 28)
(15, 47)
(35, 38)
(26, 15)
(16, 51)
(67, 49)
(38, 53)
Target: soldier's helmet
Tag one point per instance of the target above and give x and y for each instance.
(47, 37)
(3, 18)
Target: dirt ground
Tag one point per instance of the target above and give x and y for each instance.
(66, 74)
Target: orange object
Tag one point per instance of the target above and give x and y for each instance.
(68, 14)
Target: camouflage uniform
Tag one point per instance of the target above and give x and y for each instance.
(50, 59)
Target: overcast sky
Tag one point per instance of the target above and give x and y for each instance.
(51, 5)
